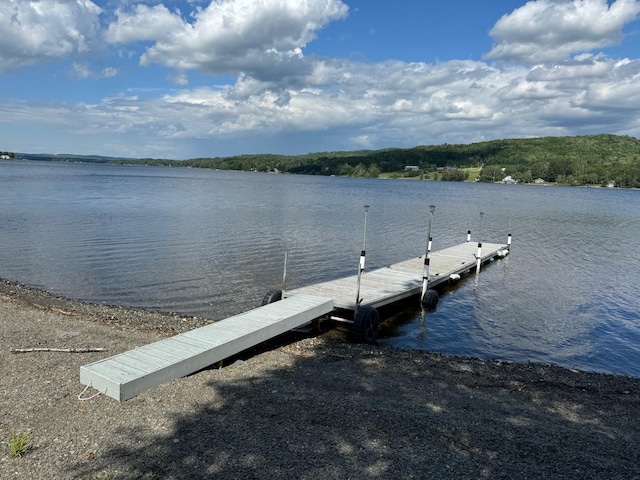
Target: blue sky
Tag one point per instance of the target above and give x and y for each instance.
(193, 78)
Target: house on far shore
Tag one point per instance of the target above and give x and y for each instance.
(4, 156)
(411, 168)
(446, 169)
(538, 181)
(509, 180)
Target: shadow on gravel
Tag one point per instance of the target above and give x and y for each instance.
(353, 411)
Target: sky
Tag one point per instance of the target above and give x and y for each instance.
(207, 78)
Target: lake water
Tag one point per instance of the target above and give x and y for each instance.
(211, 243)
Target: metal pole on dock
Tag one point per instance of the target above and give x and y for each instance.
(362, 257)
(479, 255)
(425, 270)
(284, 273)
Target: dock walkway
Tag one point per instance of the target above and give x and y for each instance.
(125, 375)
(402, 280)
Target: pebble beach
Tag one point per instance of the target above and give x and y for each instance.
(304, 405)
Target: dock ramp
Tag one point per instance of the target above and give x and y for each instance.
(126, 375)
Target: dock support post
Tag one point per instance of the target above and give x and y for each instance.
(362, 258)
(479, 255)
(284, 273)
(425, 270)
(509, 241)
(468, 236)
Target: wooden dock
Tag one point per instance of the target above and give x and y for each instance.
(127, 374)
(391, 284)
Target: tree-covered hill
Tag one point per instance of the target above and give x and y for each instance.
(584, 160)
(579, 160)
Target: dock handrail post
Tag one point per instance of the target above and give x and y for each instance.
(284, 273)
(362, 258)
(479, 255)
(425, 270)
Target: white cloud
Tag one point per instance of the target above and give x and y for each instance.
(261, 37)
(398, 103)
(35, 31)
(376, 106)
(109, 72)
(275, 92)
(547, 31)
(84, 71)
(178, 78)
(80, 70)
(144, 23)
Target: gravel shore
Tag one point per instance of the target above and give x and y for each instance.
(301, 406)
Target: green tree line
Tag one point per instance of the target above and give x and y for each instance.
(584, 160)
(578, 160)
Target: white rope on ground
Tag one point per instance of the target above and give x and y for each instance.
(92, 396)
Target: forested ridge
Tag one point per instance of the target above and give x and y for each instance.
(578, 160)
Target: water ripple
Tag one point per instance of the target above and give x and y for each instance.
(212, 243)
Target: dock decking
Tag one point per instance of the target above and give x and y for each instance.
(402, 280)
(125, 375)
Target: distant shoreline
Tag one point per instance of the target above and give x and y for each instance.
(571, 160)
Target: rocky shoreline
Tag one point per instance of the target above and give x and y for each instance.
(300, 406)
